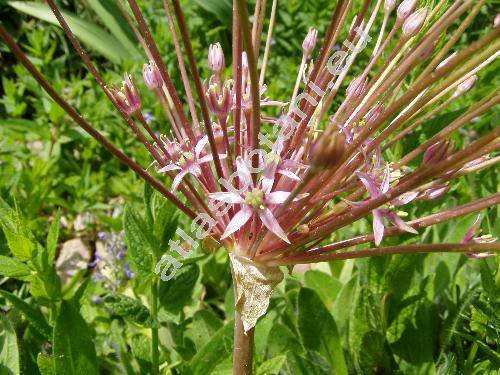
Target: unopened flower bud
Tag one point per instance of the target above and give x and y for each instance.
(389, 5)
(356, 88)
(374, 113)
(406, 8)
(310, 41)
(428, 51)
(435, 192)
(436, 153)
(414, 23)
(328, 150)
(466, 85)
(128, 97)
(152, 76)
(216, 58)
(496, 22)
(244, 62)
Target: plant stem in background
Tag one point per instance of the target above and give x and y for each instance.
(155, 355)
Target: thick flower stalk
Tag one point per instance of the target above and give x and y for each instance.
(272, 190)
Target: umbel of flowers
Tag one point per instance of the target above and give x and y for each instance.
(271, 189)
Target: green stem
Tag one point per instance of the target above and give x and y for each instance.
(154, 330)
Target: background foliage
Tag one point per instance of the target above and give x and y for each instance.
(403, 314)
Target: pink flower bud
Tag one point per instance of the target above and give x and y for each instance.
(466, 85)
(496, 22)
(436, 153)
(152, 76)
(374, 113)
(406, 8)
(389, 5)
(414, 23)
(244, 62)
(356, 88)
(428, 51)
(216, 58)
(328, 150)
(435, 192)
(128, 97)
(310, 41)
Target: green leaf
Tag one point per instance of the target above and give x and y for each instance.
(219, 8)
(73, 348)
(11, 267)
(271, 366)
(114, 20)
(9, 354)
(399, 273)
(19, 237)
(214, 351)
(137, 238)
(325, 285)
(128, 308)
(53, 237)
(34, 317)
(318, 330)
(121, 347)
(176, 293)
(45, 364)
(204, 325)
(89, 33)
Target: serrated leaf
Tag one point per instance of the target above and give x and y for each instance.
(9, 354)
(19, 238)
(89, 33)
(73, 347)
(176, 293)
(139, 246)
(128, 308)
(45, 364)
(11, 267)
(318, 330)
(34, 316)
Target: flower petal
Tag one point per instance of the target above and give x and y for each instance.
(400, 223)
(378, 227)
(277, 197)
(200, 146)
(272, 224)
(243, 172)
(238, 220)
(227, 197)
(169, 168)
(178, 179)
(288, 174)
(404, 198)
(370, 184)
